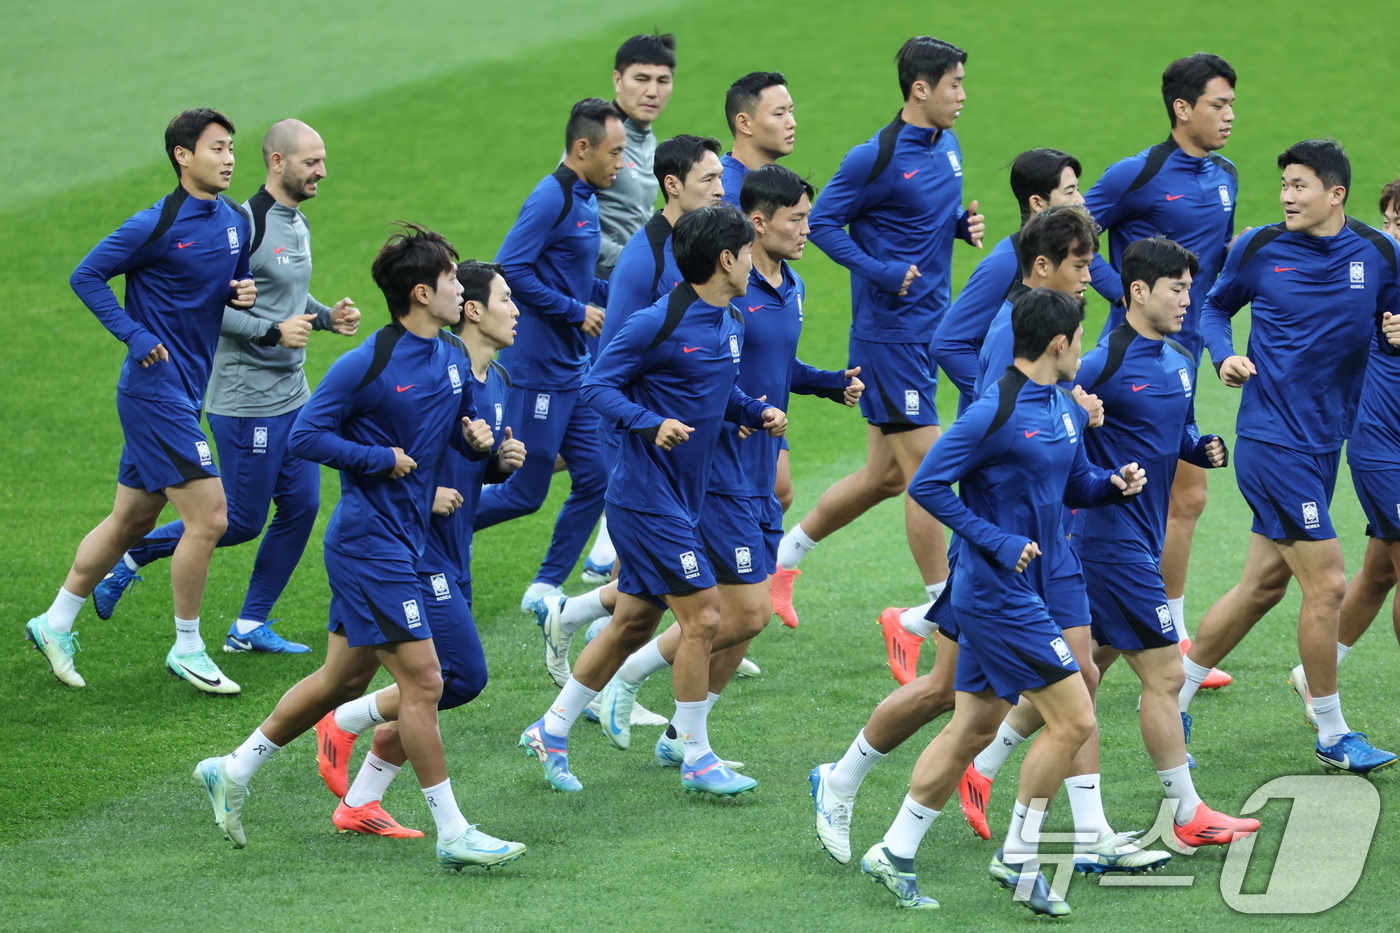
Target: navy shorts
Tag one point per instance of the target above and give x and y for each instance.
(901, 384)
(660, 555)
(1010, 655)
(448, 607)
(942, 613)
(1068, 601)
(1128, 603)
(1289, 492)
(1379, 492)
(741, 535)
(165, 446)
(375, 602)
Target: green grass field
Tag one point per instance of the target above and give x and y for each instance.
(447, 114)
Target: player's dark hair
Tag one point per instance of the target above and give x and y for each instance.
(771, 188)
(1390, 196)
(646, 49)
(184, 131)
(1041, 315)
(476, 278)
(1055, 233)
(1325, 157)
(1038, 171)
(1156, 258)
(589, 120)
(743, 95)
(1186, 79)
(415, 256)
(678, 155)
(702, 235)
(927, 58)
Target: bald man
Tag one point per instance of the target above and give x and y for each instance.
(256, 389)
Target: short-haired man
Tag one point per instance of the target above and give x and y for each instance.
(758, 109)
(1184, 190)
(185, 259)
(900, 195)
(668, 380)
(550, 255)
(398, 398)
(255, 391)
(1317, 285)
(1017, 457)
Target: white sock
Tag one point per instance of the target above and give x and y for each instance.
(579, 611)
(907, 830)
(372, 781)
(130, 562)
(935, 590)
(1177, 607)
(1178, 786)
(187, 640)
(250, 756)
(793, 547)
(1086, 803)
(359, 716)
(1342, 652)
(572, 701)
(1330, 724)
(64, 610)
(913, 621)
(690, 724)
(1023, 835)
(710, 701)
(602, 553)
(642, 663)
(1195, 674)
(991, 758)
(450, 821)
(854, 766)
(244, 626)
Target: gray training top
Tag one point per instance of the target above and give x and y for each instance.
(631, 200)
(252, 381)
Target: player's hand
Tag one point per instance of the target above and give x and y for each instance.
(592, 323)
(478, 434)
(511, 455)
(1390, 326)
(446, 501)
(1215, 452)
(345, 317)
(1130, 479)
(775, 422)
(909, 278)
(1028, 553)
(1236, 237)
(403, 464)
(976, 225)
(245, 292)
(1236, 370)
(158, 355)
(671, 433)
(1090, 403)
(296, 331)
(854, 387)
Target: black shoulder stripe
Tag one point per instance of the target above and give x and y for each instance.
(658, 229)
(501, 371)
(1226, 164)
(1016, 251)
(258, 205)
(1261, 239)
(447, 337)
(168, 212)
(888, 137)
(1179, 348)
(1118, 342)
(384, 342)
(566, 178)
(1017, 289)
(682, 297)
(1156, 158)
(1008, 387)
(1379, 240)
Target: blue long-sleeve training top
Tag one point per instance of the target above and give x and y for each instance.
(178, 257)
(1315, 312)
(550, 256)
(998, 349)
(734, 174)
(394, 390)
(1017, 459)
(1162, 191)
(769, 368)
(896, 201)
(1375, 445)
(677, 359)
(645, 273)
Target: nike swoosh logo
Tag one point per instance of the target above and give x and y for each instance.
(1141, 387)
(239, 643)
(691, 349)
(405, 388)
(1031, 433)
(612, 715)
(279, 249)
(753, 308)
(204, 680)
(499, 851)
(1285, 268)
(581, 223)
(1087, 786)
(911, 174)
(183, 245)
(1174, 197)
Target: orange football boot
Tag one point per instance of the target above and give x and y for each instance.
(902, 647)
(333, 747)
(371, 820)
(781, 592)
(1209, 828)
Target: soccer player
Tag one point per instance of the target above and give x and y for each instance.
(758, 109)
(900, 195)
(1018, 457)
(184, 260)
(1317, 285)
(668, 380)
(1146, 381)
(1184, 190)
(398, 398)
(444, 574)
(550, 256)
(255, 391)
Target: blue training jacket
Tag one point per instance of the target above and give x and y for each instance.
(645, 273)
(734, 174)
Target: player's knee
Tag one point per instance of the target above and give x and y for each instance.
(703, 624)
(1168, 681)
(784, 495)
(422, 686)
(588, 478)
(1187, 504)
(459, 690)
(934, 698)
(1090, 673)
(1078, 727)
(891, 483)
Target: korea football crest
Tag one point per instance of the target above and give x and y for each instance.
(911, 401)
(734, 346)
(499, 416)
(440, 588)
(1358, 275)
(259, 440)
(233, 239)
(542, 406)
(1164, 619)
(411, 614)
(201, 448)
(689, 565)
(743, 560)
(456, 378)
(1225, 198)
(1062, 651)
(1069, 427)
(1185, 381)
(1311, 517)
(953, 161)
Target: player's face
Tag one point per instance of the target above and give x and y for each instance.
(1308, 204)
(785, 233)
(209, 168)
(943, 105)
(773, 125)
(1068, 190)
(1391, 224)
(642, 91)
(602, 162)
(702, 186)
(303, 169)
(1165, 305)
(498, 317)
(445, 303)
(1071, 276)
(1209, 122)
